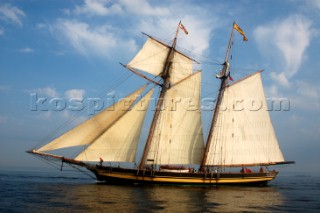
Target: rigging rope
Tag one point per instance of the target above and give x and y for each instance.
(84, 172)
(56, 163)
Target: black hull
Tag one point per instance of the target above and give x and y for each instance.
(113, 175)
(117, 175)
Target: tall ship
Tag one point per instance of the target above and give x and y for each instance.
(239, 148)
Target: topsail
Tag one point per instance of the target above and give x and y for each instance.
(152, 57)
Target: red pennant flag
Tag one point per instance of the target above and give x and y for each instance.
(183, 28)
(230, 78)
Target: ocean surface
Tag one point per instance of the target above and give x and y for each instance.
(40, 191)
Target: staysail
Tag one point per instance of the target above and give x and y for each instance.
(119, 143)
(178, 137)
(89, 130)
(243, 134)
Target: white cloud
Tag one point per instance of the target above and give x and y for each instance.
(313, 4)
(197, 40)
(4, 88)
(285, 43)
(307, 96)
(144, 8)
(273, 92)
(26, 50)
(75, 93)
(88, 40)
(161, 22)
(97, 8)
(105, 8)
(11, 14)
(199, 22)
(308, 90)
(280, 78)
(48, 115)
(83, 38)
(47, 91)
(44, 115)
(9, 120)
(41, 25)
(112, 93)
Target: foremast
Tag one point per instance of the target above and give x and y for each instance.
(165, 75)
(175, 136)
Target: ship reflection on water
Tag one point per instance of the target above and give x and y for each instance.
(101, 197)
(206, 199)
(47, 191)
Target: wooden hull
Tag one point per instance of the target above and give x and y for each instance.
(114, 175)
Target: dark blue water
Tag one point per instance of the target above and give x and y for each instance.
(36, 191)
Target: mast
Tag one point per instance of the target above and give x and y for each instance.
(219, 100)
(165, 75)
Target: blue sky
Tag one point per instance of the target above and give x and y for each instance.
(72, 49)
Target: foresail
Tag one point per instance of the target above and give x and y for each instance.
(243, 134)
(178, 137)
(89, 130)
(119, 142)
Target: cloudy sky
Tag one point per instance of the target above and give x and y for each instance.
(72, 49)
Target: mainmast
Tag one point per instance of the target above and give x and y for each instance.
(224, 76)
(165, 75)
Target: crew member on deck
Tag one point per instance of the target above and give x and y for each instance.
(101, 161)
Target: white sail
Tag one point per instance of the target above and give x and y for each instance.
(152, 57)
(119, 142)
(181, 67)
(178, 137)
(89, 130)
(243, 133)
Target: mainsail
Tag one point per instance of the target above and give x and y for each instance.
(119, 142)
(243, 133)
(87, 132)
(178, 135)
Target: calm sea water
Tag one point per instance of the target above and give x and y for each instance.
(32, 191)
